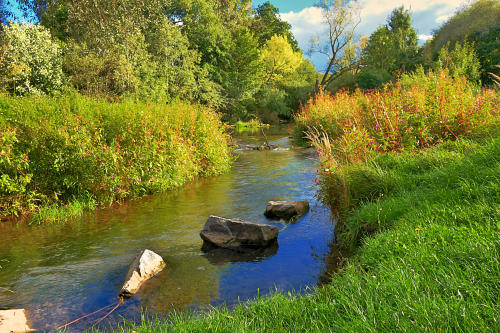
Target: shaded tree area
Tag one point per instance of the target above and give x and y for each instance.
(477, 25)
(468, 44)
(201, 51)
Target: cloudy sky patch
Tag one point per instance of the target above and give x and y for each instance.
(307, 21)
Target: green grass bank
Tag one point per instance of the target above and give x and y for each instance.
(62, 155)
(430, 264)
(419, 209)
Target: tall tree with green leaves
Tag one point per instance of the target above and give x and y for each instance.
(279, 60)
(339, 45)
(267, 23)
(379, 50)
(404, 39)
(461, 60)
(392, 47)
(241, 74)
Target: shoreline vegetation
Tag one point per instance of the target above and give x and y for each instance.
(101, 102)
(63, 155)
(413, 171)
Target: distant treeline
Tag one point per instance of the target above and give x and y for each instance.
(468, 44)
(242, 61)
(224, 54)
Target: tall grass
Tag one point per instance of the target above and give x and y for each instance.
(419, 111)
(71, 149)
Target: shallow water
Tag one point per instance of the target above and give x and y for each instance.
(59, 273)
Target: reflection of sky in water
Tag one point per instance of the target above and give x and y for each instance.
(62, 272)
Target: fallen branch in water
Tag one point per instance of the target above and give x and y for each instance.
(93, 313)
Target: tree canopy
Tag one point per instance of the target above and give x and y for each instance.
(217, 53)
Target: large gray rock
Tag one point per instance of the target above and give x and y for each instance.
(287, 210)
(145, 265)
(236, 234)
(14, 321)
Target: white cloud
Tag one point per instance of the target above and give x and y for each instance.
(427, 15)
(443, 18)
(424, 37)
(305, 24)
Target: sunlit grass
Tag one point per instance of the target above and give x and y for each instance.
(427, 260)
(58, 151)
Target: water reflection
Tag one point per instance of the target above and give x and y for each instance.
(59, 273)
(220, 256)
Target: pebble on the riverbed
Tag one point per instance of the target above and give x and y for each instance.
(14, 321)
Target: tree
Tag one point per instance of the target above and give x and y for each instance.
(342, 18)
(240, 73)
(460, 61)
(32, 60)
(477, 23)
(404, 39)
(479, 17)
(379, 51)
(267, 23)
(279, 60)
(487, 48)
(392, 47)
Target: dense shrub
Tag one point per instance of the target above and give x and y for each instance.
(32, 60)
(419, 111)
(73, 148)
(460, 61)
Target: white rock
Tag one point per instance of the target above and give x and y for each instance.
(145, 266)
(14, 321)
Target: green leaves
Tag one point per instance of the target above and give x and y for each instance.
(32, 60)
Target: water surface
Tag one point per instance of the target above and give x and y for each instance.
(59, 273)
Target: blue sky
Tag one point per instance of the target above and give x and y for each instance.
(307, 22)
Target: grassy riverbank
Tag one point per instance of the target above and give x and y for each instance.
(60, 156)
(421, 219)
(431, 262)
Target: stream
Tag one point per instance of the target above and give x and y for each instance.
(61, 272)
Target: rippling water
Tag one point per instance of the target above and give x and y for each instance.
(59, 273)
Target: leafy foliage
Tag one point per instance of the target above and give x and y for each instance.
(461, 61)
(279, 60)
(419, 111)
(340, 48)
(267, 24)
(478, 24)
(31, 61)
(73, 148)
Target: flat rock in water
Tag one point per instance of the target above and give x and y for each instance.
(287, 210)
(236, 234)
(261, 147)
(145, 266)
(14, 321)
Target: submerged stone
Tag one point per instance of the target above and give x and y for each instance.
(261, 147)
(236, 234)
(146, 265)
(14, 321)
(287, 210)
